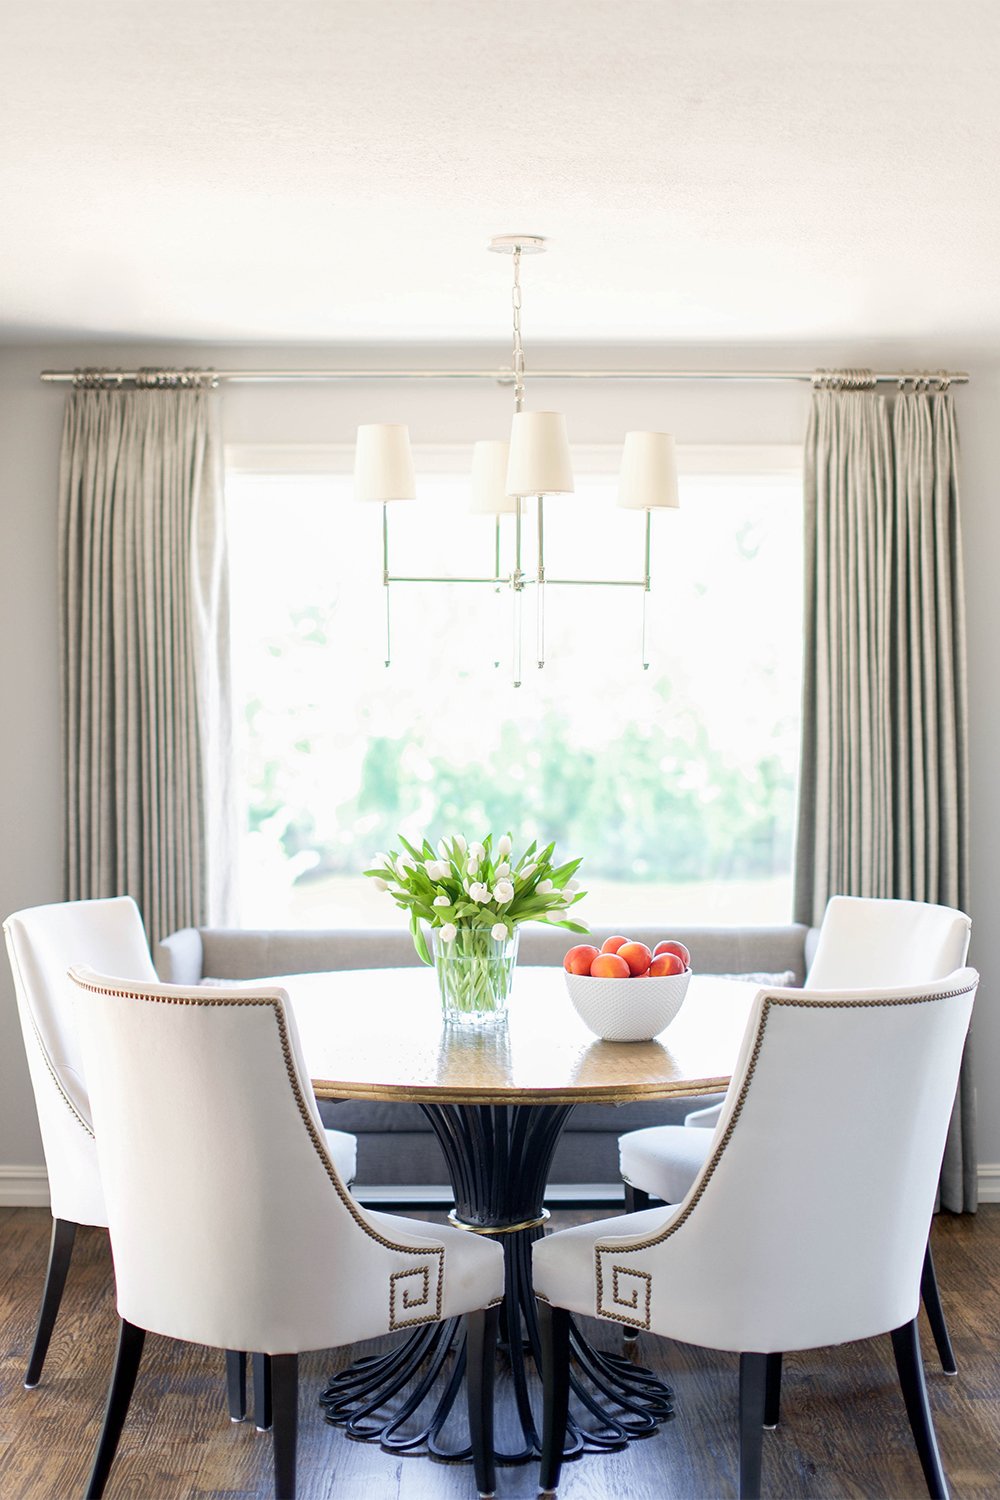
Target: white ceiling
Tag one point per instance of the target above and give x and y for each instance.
(722, 171)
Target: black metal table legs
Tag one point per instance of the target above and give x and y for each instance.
(498, 1159)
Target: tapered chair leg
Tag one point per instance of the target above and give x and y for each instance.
(554, 1327)
(906, 1348)
(772, 1391)
(935, 1314)
(60, 1251)
(283, 1393)
(753, 1388)
(635, 1201)
(130, 1342)
(236, 1384)
(262, 1391)
(480, 1367)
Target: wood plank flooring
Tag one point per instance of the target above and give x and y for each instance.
(843, 1431)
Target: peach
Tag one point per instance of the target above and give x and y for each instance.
(612, 944)
(579, 959)
(670, 945)
(666, 963)
(609, 966)
(637, 956)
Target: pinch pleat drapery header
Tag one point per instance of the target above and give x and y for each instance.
(145, 654)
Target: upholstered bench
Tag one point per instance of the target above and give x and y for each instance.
(396, 1149)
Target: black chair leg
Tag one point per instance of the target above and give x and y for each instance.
(753, 1388)
(480, 1366)
(635, 1201)
(236, 1384)
(283, 1389)
(60, 1250)
(935, 1314)
(130, 1342)
(262, 1391)
(906, 1348)
(772, 1391)
(554, 1327)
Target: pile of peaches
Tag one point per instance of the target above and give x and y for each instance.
(620, 958)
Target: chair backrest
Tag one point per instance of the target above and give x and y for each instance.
(42, 943)
(231, 1227)
(876, 943)
(807, 1224)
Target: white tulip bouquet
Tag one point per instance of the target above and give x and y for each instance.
(473, 896)
(471, 885)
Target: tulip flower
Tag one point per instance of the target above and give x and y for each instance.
(442, 901)
(449, 932)
(544, 886)
(503, 871)
(503, 892)
(498, 931)
(379, 883)
(504, 845)
(479, 892)
(473, 867)
(476, 851)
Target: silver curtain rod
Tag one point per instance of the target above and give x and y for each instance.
(853, 379)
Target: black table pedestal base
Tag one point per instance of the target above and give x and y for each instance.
(498, 1159)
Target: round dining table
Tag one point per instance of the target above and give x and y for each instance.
(497, 1098)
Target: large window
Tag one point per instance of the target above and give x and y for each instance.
(675, 784)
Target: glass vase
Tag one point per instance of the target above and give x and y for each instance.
(475, 972)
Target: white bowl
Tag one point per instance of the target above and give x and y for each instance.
(627, 1010)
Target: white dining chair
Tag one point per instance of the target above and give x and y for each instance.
(42, 943)
(237, 1231)
(862, 941)
(806, 1225)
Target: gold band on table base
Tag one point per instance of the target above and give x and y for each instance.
(458, 1223)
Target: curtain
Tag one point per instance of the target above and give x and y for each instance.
(883, 798)
(147, 743)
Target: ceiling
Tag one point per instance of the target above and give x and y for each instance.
(708, 171)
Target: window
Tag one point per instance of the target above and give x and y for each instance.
(676, 785)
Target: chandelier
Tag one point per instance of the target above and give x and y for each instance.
(510, 478)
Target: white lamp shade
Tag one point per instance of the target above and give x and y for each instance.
(649, 471)
(539, 455)
(489, 480)
(383, 463)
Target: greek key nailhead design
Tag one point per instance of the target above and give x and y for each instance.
(408, 1291)
(433, 1253)
(631, 1295)
(603, 1252)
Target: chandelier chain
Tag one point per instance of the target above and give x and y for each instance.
(515, 298)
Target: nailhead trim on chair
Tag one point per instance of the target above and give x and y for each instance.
(47, 1060)
(617, 1314)
(277, 1011)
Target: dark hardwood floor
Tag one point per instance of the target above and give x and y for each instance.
(843, 1431)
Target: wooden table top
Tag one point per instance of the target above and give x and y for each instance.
(378, 1034)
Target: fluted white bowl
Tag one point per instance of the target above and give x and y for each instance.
(627, 1010)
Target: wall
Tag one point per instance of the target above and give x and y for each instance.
(30, 422)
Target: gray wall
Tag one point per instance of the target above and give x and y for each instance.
(30, 422)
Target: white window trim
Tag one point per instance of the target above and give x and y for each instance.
(753, 460)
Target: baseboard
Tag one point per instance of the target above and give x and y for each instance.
(989, 1182)
(24, 1187)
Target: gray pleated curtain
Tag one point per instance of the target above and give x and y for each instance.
(145, 654)
(883, 799)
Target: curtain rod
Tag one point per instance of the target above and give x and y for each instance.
(852, 379)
